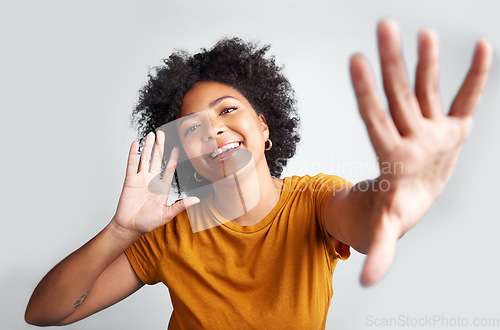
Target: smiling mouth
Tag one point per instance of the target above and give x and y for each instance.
(225, 150)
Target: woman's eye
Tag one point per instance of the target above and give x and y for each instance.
(190, 129)
(227, 110)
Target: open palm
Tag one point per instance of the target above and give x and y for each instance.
(139, 209)
(417, 145)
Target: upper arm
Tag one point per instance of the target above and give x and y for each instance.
(116, 282)
(332, 213)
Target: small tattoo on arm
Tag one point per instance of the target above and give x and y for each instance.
(80, 300)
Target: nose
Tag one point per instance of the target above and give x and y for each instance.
(217, 128)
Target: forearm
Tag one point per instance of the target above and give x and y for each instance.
(352, 214)
(66, 286)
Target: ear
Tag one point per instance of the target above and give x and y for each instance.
(263, 124)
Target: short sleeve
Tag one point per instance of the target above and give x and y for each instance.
(145, 255)
(322, 186)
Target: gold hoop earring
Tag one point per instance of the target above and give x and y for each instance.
(196, 178)
(270, 144)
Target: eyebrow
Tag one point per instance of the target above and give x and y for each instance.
(210, 105)
(191, 115)
(219, 100)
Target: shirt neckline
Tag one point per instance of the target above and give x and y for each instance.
(285, 189)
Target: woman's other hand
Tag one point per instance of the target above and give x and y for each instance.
(417, 145)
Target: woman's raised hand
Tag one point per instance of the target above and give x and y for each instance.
(140, 210)
(418, 145)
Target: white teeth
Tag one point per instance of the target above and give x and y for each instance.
(224, 148)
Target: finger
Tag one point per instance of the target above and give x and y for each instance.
(132, 159)
(168, 174)
(381, 129)
(179, 206)
(402, 102)
(379, 260)
(157, 152)
(146, 152)
(427, 78)
(469, 94)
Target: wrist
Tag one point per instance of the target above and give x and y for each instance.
(400, 202)
(121, 233)
(381, 197)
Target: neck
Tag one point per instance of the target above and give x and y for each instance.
(247, 196)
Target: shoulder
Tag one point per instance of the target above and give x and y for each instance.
(314, 189)
(317, 182)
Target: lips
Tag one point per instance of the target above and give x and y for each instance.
(224, 149)
(229, 158)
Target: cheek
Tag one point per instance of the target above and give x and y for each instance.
(253, 131)
(192, 148)
(193, 154)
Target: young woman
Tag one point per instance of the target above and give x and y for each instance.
(271, 265)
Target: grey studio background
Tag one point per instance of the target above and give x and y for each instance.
(70, 72)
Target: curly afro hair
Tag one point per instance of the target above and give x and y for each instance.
(235, 63)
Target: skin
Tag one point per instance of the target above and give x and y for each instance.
(233, 119)
(426, 141)
(417, 135)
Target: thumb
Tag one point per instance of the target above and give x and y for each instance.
(379, 260)
(179, 206)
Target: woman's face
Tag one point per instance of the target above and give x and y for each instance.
(218, 127)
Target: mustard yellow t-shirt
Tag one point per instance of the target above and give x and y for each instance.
(275, 274)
